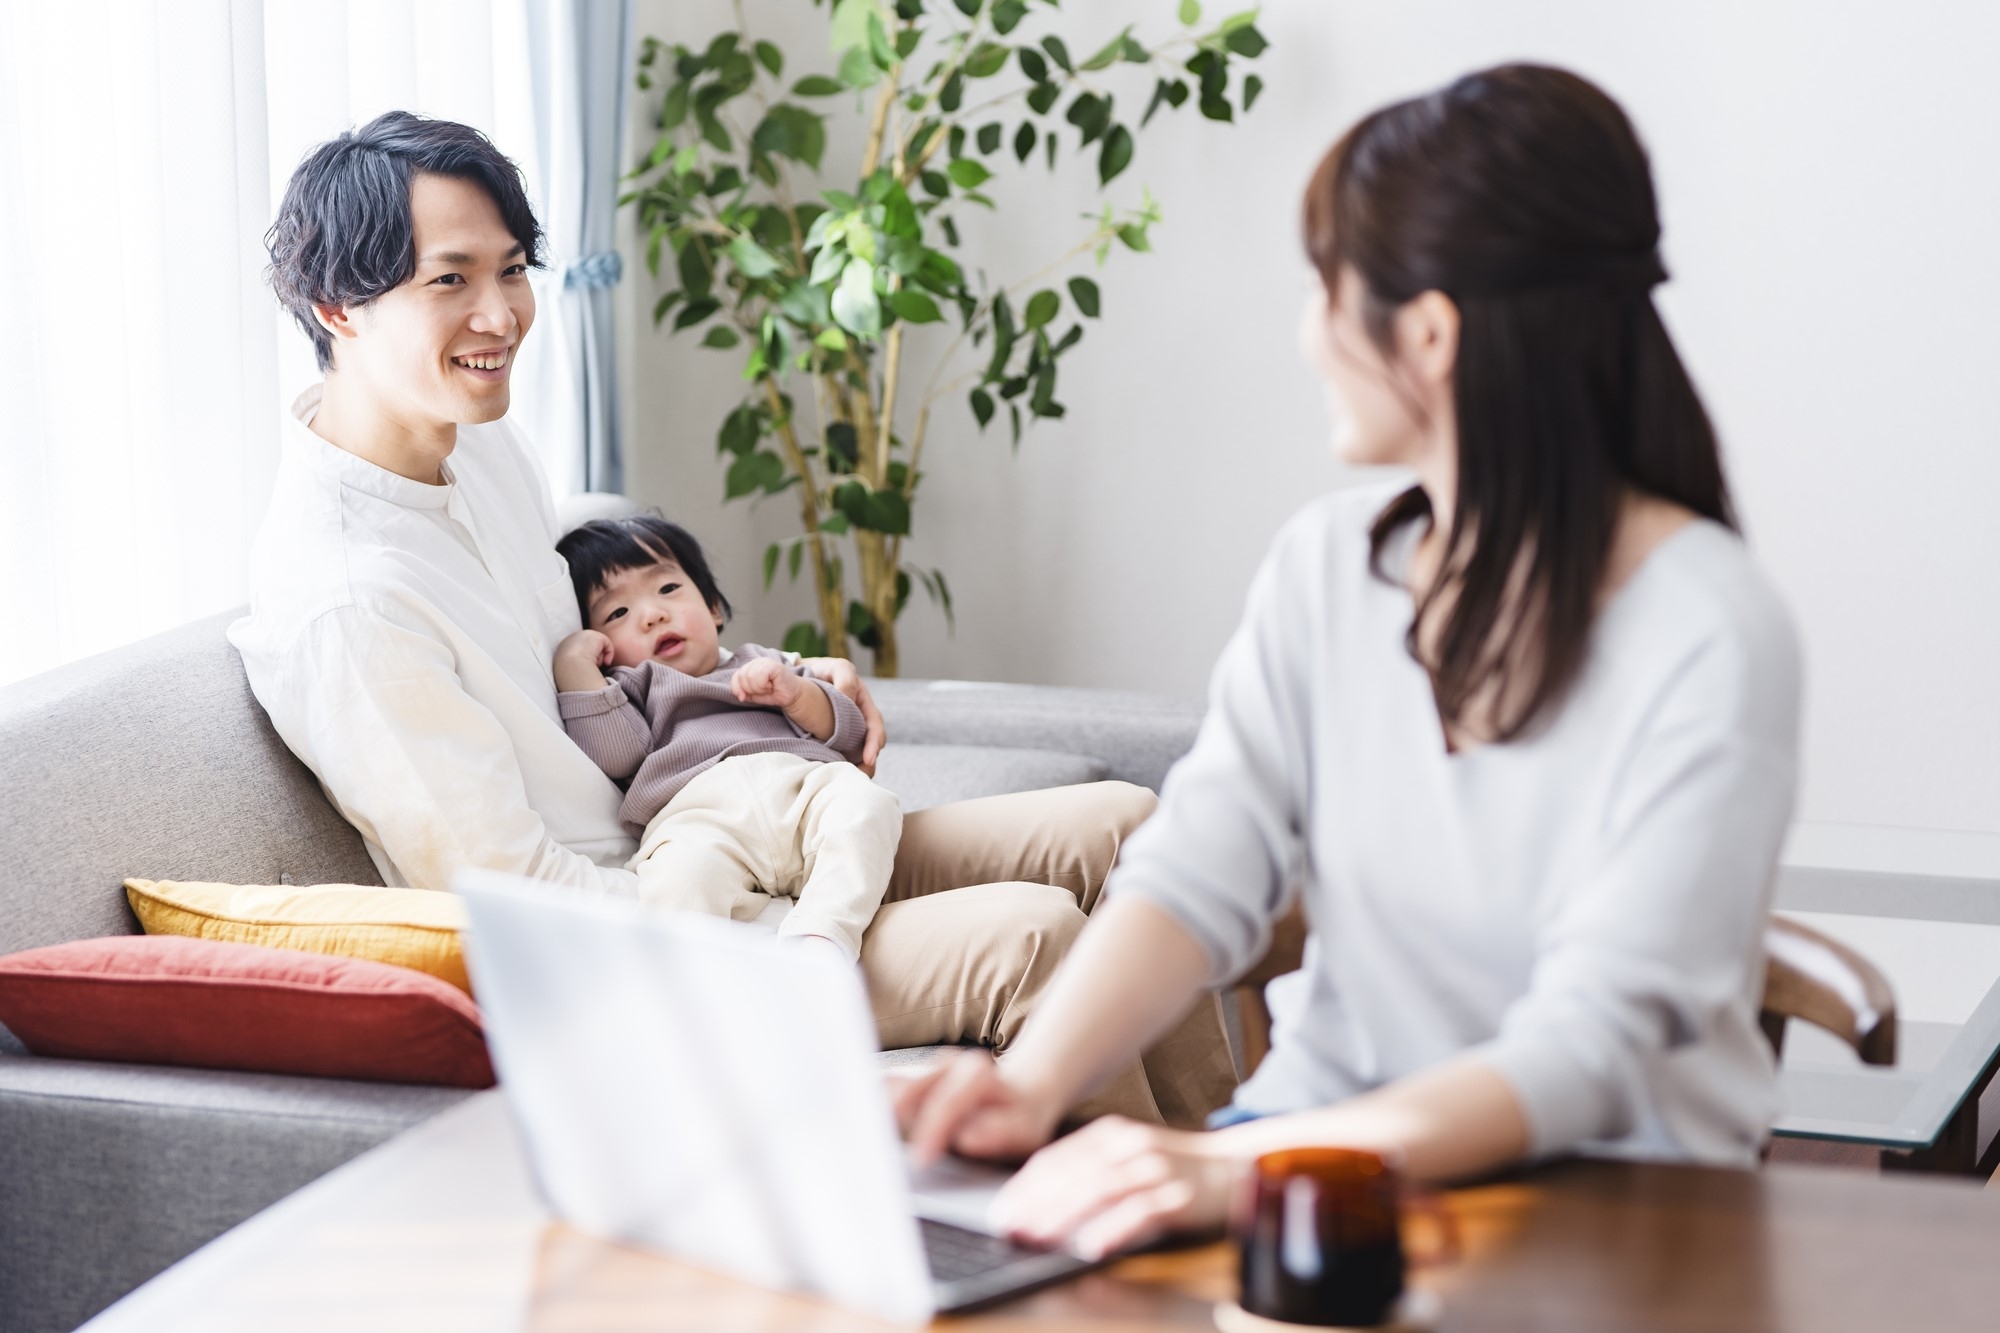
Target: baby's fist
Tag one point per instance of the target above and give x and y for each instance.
(765, 682)
(586, 646)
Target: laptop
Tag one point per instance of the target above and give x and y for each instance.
(696, 1086)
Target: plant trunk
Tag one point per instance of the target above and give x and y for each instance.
(878, 594)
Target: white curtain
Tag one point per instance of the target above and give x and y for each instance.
(143, 361)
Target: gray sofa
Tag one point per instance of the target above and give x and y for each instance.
(156, 761)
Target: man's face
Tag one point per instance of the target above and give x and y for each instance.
(440, 348)
(656, 612)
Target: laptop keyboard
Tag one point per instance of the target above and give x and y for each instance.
(956, 1253)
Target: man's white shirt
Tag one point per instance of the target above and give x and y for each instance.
(400, 636)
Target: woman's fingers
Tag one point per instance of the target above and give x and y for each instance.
(842, 675)
(907, 1093)
(1114, 1184)
(967, 1083)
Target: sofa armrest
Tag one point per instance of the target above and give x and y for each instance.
(1137, 736)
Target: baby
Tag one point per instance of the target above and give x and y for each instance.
(741, 788)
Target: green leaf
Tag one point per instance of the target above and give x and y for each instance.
(667, 303)
(1242, 19)
(695, 312)
(914, 307)
(740, 431)
(1246, 41)
(835, 524)
(982, 407)
(1042, 96)
(1091, 114)
(818, 85)
(792, 560)
(1117, 154)
(1043, 306)
(832, 339)
(1134, 237)
(1084, 292)
(770, 564)
(1108, 57)
(674, 110)
(843, 444)
(987, 59)
(1032, 64)
(1190, 12)
(1058, 53)
(791, 131)
(989, 136)
(805, 639)
(1024, 141)
(855, 307)
(827, 265)
(952, 95)
(878, 42)
(752, 259)
(759, 471)
(1251, 87)
(1133, 52)
(1069, 340)
(771, 58)
(1007, 15)
(721, 336)
(968, 174)
(935, 183)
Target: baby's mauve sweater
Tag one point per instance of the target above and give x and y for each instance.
(659, 727)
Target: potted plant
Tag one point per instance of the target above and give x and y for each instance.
(816, 289)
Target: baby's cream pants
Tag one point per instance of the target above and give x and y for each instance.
(763, 826)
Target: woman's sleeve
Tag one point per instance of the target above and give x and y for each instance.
(1223, 851)
(1667, 934)
(420, 767)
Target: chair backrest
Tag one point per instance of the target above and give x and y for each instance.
(1813, 977)
(1806, 976)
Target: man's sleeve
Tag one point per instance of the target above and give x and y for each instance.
(420, 767)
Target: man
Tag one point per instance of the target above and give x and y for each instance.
(407, 598)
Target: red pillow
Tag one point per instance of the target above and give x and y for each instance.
(176, 1000)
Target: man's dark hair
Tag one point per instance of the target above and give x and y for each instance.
(343, 234)
(607, 546)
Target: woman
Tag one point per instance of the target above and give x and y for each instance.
(1525, 732)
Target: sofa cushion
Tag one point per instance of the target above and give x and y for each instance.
(153, 757)
(926, 775)
(155, 999)
(414, 928)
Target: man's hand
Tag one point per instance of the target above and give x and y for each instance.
(840, 673)
(766, 683)
(578, 659)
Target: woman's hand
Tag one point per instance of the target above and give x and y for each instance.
(840, 673)
(1116, 1183)
(968, 1104)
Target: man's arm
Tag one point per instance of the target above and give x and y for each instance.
(420, 767)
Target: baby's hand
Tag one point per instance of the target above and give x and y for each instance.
(578, 658)
(765, 683)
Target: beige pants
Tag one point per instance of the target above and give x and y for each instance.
(764, 826)
(946, 964)
(950, 964)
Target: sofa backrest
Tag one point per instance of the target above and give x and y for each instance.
(153, 761)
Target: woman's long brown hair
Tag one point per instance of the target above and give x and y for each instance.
(1523, 194)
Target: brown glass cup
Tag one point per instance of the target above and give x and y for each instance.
(1320, 1236)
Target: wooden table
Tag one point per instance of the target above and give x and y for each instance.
(440, 1230)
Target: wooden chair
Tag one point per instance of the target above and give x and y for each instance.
(1807, 976)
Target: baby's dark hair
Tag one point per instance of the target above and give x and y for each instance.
(605, 546)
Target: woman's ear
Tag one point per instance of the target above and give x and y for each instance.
(1427, 339)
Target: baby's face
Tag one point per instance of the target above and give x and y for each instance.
(656, 613)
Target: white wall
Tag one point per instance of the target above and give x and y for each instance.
(1829, 191)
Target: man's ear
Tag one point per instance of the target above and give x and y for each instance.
(338, 320)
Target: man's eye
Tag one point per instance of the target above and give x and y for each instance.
(449, 280)
(514, 271)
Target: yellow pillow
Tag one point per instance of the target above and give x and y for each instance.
(415, 928)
